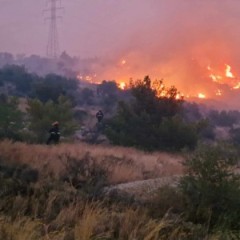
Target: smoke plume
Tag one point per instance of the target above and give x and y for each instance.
(183, 42)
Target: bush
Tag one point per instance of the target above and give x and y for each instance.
(16, 179)
(235, 135)
(84, 174)
(167, 200)
(211, 188)
(10, 120)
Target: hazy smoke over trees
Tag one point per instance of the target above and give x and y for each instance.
(176, 40)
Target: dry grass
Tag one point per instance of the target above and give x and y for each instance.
(21, 229)
(97, 222)
(52, 209)
(92, 221)
(127, 164)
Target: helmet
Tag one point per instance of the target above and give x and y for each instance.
(55, 123)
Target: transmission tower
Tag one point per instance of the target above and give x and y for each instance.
(54, 6)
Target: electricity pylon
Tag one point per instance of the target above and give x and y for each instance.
(54, 6)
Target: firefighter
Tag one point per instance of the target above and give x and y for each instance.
(99, 116)
(54, 134)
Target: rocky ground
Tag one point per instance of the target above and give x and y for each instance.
(145, 188)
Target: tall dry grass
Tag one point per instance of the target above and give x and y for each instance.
(97, 222)
(50, 208)
(127, 164)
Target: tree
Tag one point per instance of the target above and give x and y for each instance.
(86, 96)
(52, 86)
(42, 115)
(107, 88)
(18, 77)
(224, 118)
(151, 120)
(108, 92)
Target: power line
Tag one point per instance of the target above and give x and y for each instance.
(53, 16)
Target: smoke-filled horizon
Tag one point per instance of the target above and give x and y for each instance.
(102, 28)
(182, 41)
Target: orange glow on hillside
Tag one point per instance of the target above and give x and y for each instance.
(194, 80)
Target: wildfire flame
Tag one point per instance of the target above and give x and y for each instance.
(201, 95)
(122, 85)
(227, 78)
(217, 79)
(88, 78)
(219, 92)
(228, 72)
(237, 86)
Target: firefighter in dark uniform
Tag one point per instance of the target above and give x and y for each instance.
(54, 134)
(99, 116)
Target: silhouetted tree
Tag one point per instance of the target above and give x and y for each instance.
(224, 118)
(151, 120)
(108, 92)
(86, 96)
(52, 86)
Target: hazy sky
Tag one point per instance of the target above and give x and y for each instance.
(101, 27)
(88, 27)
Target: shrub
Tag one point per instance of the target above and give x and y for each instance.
(211, 188)
(235, 135)
(10, 120)
(15, 179)
(167, 199)
(84, 174)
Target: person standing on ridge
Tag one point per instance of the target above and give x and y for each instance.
(54, 134)
(99, 116)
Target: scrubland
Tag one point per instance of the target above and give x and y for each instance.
(127, 164)
(57, 192)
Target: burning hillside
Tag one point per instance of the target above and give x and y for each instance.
(193, 45)
(218, 82)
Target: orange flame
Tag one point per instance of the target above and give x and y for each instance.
(88, 78)
(219, 92)
(228, 72)
(237, 86)
(122, 85)
(201, 95)
(234, 82)
(215, 78)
